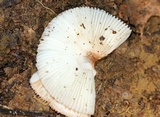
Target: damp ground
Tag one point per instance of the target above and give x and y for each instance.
(127, 80)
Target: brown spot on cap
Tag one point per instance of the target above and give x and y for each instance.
(102, 38)
(114, 32)
(101, 43)
(76, 69)
(106, 29)
(82, 25)
(42, 39)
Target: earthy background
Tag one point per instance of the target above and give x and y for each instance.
(127, 80)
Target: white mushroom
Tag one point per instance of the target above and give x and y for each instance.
(69, 47)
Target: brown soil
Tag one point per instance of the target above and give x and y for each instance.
(127, 80)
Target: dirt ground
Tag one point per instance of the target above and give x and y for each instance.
(127, 80)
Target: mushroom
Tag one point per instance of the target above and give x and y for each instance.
(69, 47)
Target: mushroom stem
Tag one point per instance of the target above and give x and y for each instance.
(93, 57)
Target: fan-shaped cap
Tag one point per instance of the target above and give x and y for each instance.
(69, 47)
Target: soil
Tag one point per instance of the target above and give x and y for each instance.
(127, 80)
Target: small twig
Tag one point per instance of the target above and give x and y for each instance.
(46, 7)
(99, 88)
(9, 111)
(127, 111)
(4, 106)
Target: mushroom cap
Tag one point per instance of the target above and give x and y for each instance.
(69, 47)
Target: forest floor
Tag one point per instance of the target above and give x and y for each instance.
(127, 80)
